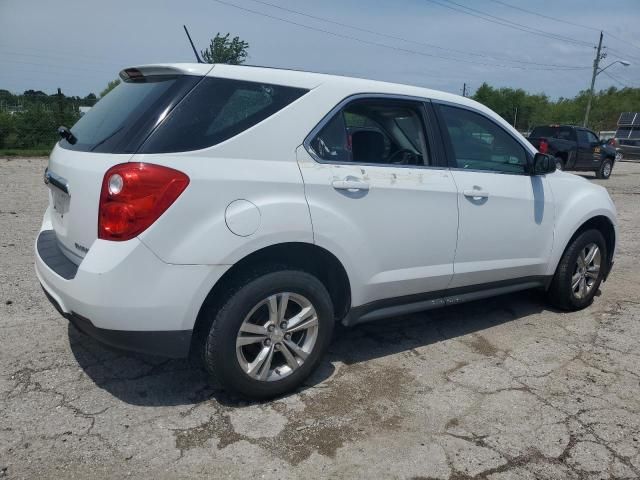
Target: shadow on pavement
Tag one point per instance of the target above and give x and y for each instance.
(152, 381)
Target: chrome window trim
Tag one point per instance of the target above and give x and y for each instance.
(363, 96)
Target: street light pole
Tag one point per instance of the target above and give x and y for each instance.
(596, 64)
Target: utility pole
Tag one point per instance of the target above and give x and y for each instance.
(596, 65)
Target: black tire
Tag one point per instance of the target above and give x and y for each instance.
(559, 163)
(604, 172)
(560, 292)
(219, 352)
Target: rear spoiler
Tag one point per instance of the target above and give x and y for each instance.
(135, 73)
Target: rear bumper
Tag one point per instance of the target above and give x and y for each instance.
(125, 296)
(172, 344)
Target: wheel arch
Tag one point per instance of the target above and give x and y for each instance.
(305, 256)
(605, 226)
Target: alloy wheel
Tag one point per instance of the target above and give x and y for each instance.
(277, 336)
(586, 271)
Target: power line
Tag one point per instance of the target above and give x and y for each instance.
(560, 20)
(403, 39)
(63, 67)
(380, 44)
(612, 77)
(47, 55)
(508, 23)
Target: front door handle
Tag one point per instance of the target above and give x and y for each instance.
(350, 184)
(476, 194)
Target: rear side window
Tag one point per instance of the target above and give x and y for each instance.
(564, 133)
(121, 120)
(216, 110)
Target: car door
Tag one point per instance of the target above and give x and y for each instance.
(506, 217)
(381, 198)
(594, 157)
(585, 149)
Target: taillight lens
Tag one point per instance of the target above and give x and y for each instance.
(544, 146)
(133, 196)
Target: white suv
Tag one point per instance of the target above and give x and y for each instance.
(235, 213)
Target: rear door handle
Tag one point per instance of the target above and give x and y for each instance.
(350, 184)
(476, 194)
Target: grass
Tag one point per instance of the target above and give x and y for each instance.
(25, 152)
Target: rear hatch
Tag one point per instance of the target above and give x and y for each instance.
(109, 134)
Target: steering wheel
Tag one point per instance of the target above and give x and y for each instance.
(406, 157)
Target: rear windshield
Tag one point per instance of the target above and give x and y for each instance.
(121, 120)
(216, 110)
(565, 133)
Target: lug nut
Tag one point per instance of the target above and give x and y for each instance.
(267, 342)
(271, 328)
(287, 336)
(283, 325)
(277, 346)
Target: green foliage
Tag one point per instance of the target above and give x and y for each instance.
(31, 120)
(225, 50)
(538, 109)
(110, 86)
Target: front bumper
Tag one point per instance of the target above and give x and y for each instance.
(125, 296)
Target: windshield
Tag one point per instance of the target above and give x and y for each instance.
(122, 119)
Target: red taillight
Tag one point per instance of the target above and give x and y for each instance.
(133, 196)
(544, 146)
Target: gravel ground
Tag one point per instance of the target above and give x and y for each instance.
(499, 389)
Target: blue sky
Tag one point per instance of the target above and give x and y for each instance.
(79, 45)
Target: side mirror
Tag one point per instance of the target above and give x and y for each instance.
(543, 163)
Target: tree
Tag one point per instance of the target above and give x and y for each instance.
(110, 86)
(224, 50)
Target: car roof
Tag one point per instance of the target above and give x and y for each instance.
(309, 80)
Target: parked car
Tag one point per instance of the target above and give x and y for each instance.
(627, 136)
(627, 148)
(575, 148)
(234, 214)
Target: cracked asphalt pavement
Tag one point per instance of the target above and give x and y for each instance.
(505, 388)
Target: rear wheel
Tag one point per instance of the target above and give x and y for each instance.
(579, 272)
(271, 334)
(605, 169)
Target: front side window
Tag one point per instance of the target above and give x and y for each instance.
(592, 137)
(374, 131)
(480, 144)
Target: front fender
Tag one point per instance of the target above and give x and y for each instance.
(577, 201)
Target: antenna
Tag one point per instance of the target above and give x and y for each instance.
(195, 52)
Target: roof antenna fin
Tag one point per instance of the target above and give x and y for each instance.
(195, 52)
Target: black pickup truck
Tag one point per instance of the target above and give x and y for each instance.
(574, 148)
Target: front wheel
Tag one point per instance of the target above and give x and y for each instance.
(605, 169)
(580, 272)
(271, 334)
